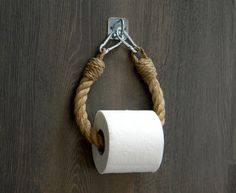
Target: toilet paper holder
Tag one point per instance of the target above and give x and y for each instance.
(117, 31)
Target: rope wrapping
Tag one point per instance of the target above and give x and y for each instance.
(147, 70)
(93, 71)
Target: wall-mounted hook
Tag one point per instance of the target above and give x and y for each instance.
(118, 29)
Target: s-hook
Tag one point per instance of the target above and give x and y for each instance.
(118, 30)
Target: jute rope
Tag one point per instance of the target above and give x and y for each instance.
(93, 71)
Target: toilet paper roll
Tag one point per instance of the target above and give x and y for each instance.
(134, 141)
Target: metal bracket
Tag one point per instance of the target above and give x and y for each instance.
(118, 29)
(115, 24)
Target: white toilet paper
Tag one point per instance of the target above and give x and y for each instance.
(134, 141)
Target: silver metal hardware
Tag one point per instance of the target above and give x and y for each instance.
(118, 30)
(132, 46)
(117, 23)
(102, 46)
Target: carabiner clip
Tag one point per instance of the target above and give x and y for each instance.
(132, 46)
(118, 30)
(102, 46)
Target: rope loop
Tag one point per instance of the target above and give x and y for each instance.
(93, 71)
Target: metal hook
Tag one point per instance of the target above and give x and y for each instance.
(114, 32)
(133, 47)
(118, 30)
(102, 46)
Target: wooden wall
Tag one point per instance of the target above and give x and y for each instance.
(44, 46)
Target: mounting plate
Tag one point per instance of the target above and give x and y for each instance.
(111, 23)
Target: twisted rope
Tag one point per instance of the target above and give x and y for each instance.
(147, 70)
(93, 71)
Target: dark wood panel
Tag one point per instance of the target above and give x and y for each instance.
(44, 47)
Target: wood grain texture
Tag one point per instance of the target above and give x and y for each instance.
(43, 49)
